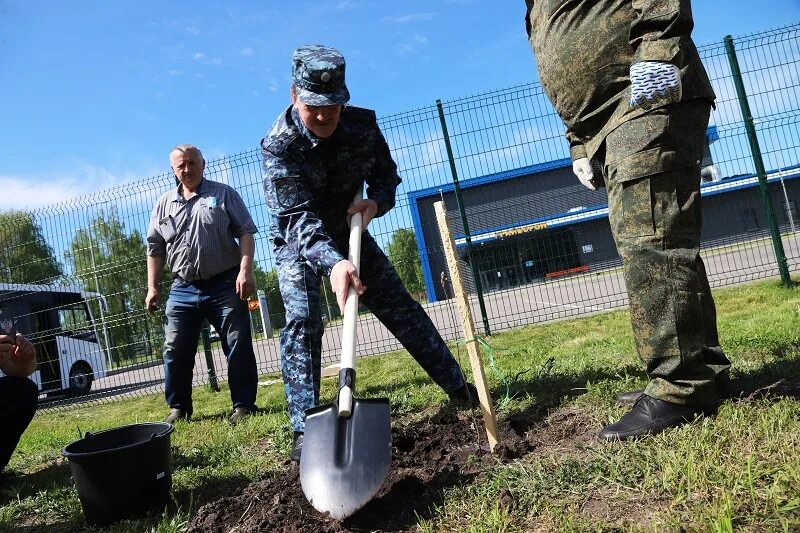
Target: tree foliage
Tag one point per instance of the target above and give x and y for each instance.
(268, 282)
(112, 262)
(25, 256)
(404, 255)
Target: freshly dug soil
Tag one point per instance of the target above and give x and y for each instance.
(445, 450)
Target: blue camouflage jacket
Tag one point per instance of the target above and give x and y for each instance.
(309, 183)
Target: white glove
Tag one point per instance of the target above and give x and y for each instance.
(583, 169)
(654, 83)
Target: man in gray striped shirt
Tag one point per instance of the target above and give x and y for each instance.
(204, 231)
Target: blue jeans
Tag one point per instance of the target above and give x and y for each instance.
(216, 300)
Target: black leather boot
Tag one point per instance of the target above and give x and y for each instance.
(650, 416)
(467, 395)
(630, 397)
(176, 413)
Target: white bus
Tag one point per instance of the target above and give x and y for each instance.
(60, 323)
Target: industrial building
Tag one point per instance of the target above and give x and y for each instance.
(539, 222)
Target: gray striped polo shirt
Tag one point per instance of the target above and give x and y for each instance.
(198, 236)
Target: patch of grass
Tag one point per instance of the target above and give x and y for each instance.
(738, 471)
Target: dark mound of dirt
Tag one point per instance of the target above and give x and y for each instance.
(444, 451)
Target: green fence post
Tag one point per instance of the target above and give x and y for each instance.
(212, 371)
(755, 150)
(475, 276)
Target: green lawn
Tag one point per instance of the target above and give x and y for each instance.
(739, 471)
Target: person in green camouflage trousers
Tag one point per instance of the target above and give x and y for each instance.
(626, 79)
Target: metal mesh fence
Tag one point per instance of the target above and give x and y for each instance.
(75, 273)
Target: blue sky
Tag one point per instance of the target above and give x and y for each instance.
(94, 94)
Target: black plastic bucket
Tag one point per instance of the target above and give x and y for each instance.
(122, 472)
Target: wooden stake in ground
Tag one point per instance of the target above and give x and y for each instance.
(467, 325)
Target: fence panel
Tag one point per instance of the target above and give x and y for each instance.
(542, 247)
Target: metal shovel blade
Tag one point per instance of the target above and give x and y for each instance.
(345, 460)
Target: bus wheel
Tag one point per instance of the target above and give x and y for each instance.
(80, 378)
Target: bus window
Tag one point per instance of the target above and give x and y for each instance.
(75, 322)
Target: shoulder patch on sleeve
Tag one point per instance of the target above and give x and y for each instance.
(286, 192)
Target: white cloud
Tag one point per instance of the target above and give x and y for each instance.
(37, 191)
(347, 5)
(246, 51)
(320, 9)
(175, 72)
(410, 44)
(201, 57)
(30, 193)
(411, 17)
(193, 30)
(271, 83)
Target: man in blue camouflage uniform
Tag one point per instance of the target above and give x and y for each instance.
(316, 156)
(626, 79)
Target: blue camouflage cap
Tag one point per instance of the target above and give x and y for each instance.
(318, 75)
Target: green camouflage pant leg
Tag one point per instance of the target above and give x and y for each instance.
(652, 168)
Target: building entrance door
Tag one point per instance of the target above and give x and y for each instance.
(525, 259)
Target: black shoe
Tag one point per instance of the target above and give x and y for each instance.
(176, 413)
(239, 414)
(297, 447)
(650, 416)
(630, 397)
(466, 394)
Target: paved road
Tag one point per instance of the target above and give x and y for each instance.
(582, 294)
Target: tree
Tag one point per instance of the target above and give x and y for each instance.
(404, 255)
(25, 257)
(107, 260)
(268, 282)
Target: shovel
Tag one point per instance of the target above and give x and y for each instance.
(347, 445)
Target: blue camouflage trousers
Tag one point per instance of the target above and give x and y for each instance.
(389, 301)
